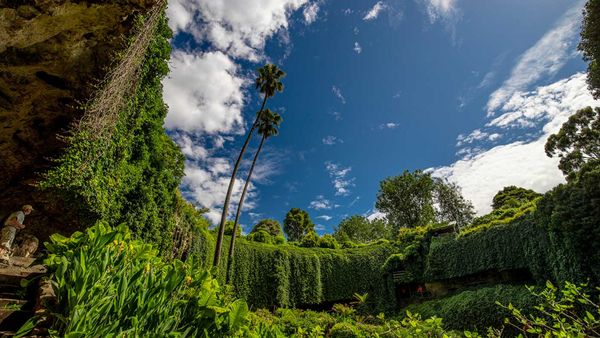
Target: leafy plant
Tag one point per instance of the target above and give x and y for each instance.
(109, 285)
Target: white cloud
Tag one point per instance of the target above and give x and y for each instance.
(545, 58)
(331, 140)
(338, 93)
(321, 203)
(373, 13)
(444, 9)
(482, 173)
(238, 27)
(207, 185)
(204, 93)
(357, 48)
(338, 175)
(310, 12)
(375, 214)
(324, 217)
(476, 135)
(389, 125)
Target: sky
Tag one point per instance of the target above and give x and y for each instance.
(468, 90)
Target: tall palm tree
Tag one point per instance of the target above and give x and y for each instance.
(268, 83)
(267, 127)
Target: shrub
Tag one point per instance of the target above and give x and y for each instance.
(475, 309)
(328, 241)
(110, 285)
(311, 240)
(261, 236)
(569, 312)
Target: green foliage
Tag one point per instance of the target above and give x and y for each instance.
(570, 214)
(328, 241)
(310, 240)
(590, 44)
(513, 197)
(345, 322)
(577, 142)
(286, 275)
(475, 309)
(269, 225)
(297, 224)
(407, 199)
(507, 213)
(452, 207)
(229, 225)
(133, 176)
(261, 236)
(518, 245)
(569, 312)
(108, 285)
(360, 229)
(417, 199)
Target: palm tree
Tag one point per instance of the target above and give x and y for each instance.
(267, 127)
(268, 82)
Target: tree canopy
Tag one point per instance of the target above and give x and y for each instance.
(360, 229)
(297, 224)
(416, 199)
(269, 225)
(590, 44)
(577, 142)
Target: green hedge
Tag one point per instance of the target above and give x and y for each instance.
(285, 275)
(476, 309)
(514, 246)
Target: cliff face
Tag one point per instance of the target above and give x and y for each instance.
(52, 53)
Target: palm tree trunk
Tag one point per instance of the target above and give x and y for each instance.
(239, 209)
(221, 233)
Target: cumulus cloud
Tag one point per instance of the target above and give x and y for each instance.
(331, 140)
(205, 90)
(207, 186)
(324, 217)
(310, 12)
(204, 93)
(321, 203)
(374, 12)
(544, 59)
(339, 178)
(522, 163)
(338, 93)
(239, 28)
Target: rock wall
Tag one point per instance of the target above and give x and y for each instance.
(52, 54)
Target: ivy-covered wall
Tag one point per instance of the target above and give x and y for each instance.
(132, 176)
(267, 275)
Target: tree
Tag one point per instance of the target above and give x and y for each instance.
(590, 44)
(407, 199)
(452, 207)
(271, 226)
(267, 127)
(416, 199)
(577, 142)
(268, 83)
(360, 229)
(297, 224)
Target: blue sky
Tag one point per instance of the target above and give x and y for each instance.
(467, 89)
